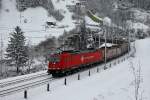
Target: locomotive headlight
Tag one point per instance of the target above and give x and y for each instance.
(82, 58)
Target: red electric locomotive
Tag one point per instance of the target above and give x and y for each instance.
(67, 61)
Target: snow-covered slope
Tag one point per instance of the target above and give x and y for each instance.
(67, 21)
(115, 83)
(141, 20)
(32, 21)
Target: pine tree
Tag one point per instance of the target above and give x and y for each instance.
(17, 51)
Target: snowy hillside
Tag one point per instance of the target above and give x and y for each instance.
(33, 21)
(115, 83)
(141, 20)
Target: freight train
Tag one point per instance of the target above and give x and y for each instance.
(67, 62)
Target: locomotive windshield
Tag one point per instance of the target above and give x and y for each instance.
(54, 58)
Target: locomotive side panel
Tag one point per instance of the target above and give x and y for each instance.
(77, 60)
(89, 58)
(72, 61)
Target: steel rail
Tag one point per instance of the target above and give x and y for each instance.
(11, 82)
(15, 89)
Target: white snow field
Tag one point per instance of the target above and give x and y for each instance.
(115, 83)
(35, 18)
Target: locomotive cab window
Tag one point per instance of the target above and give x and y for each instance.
(54, 59)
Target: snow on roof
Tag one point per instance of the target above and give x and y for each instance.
(107, 45)
(90, 21)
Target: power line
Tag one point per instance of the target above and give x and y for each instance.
(26, 30)
(34, 37)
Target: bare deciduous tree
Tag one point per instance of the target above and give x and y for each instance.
(30, 56)
(138, 92)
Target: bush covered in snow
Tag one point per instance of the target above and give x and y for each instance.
(47, 4)
(45, 46)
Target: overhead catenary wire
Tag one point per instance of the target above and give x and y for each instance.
(25, 31)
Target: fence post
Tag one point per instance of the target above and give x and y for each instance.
(97, 69)
(115, 63)
(25, 94)
(78, 76)
(48, 87)
(89, 73)
(65, 81)
(105, 67)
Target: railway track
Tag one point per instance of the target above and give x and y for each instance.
(27, 78)
(22, 83)
(17, 88)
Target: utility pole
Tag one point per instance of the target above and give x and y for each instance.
(18, 5)
(1, 55)
(105, 33)
(129, 42)
(106, 24)
(20, 17)
(99, 41)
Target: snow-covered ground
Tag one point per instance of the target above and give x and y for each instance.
(115, 83)
(33, 21)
